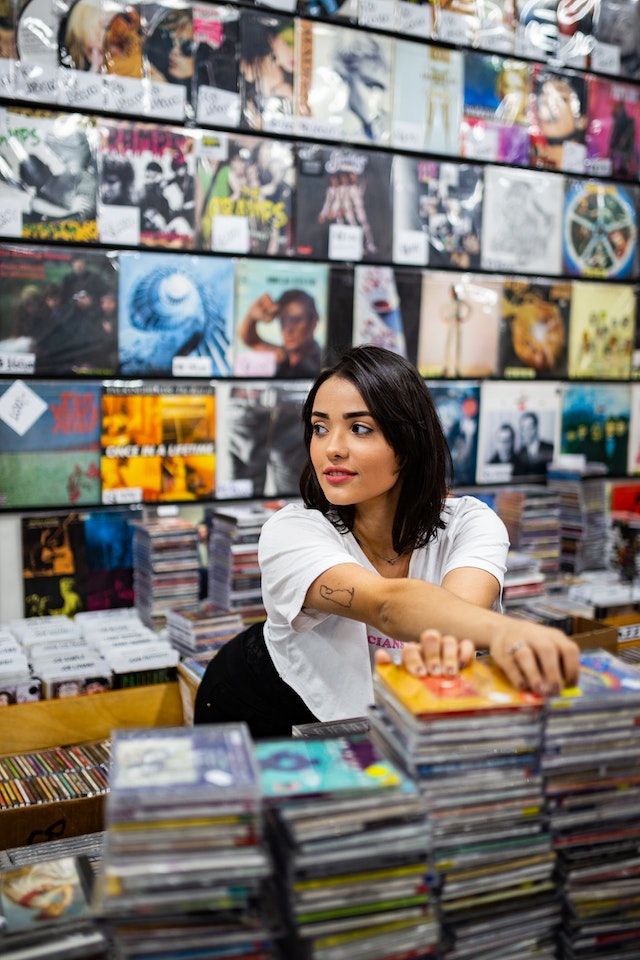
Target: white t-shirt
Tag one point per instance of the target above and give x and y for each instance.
(324, 657)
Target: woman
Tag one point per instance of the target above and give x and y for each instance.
(377, 557)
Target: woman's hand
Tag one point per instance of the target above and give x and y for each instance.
(536, 658)
(435, 654)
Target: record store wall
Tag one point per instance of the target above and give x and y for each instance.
(201, 203)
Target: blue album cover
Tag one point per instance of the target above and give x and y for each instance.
(458, 406)
(600, 229)
(50, 443)
(595, 422)
(176, 314)
(604, 678)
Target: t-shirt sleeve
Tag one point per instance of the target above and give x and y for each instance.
(477, 538)
(296, 546)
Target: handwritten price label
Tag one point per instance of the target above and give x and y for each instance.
(118, 224)
(20, 407)
(10, 219)
(345, 242)
(414, 20)
(411, 247)
(218, 106)
(230, 234)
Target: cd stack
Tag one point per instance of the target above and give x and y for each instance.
(184, 863)
(591, 767)
(198, 630)
(350, 839)
(531, 515)
(165, 567)
(473, 744)
(583, 517)
(45, 911)
(234, 574)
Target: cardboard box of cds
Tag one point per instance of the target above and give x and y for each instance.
(28, 728)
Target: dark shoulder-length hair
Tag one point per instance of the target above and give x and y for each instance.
(398, 399)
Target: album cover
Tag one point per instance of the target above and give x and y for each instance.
(517, 431)
(595, 423)
(429, 120)
(50, 442)
(81, 46)
(146, 175)
(344, 204)
(534, 329)
(616, 34)
(454, 215)
(458, 406)
(280, 319)
(377, 309)
(123, 65)
(244, 194)
(411, 178)
(8, 48)
(536, 32)
(558, 119)
(345, 88)
(487, 25)
(613, 132)
(54, 564)
(58, 311)
(459, 325)
(176, 314)
(37, 26)
(216, 37)
(600, 229)
(48, 188)
(479, 687)
(108, 543)
(329, 9)
(601, 331)
(524, 231)
(495, 104)
(158, 442)
(267, 71)
(47, 898)
(168, 58)
(575, 34)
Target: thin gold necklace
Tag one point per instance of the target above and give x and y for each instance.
(362, 544)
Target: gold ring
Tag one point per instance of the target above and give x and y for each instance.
(513, 649)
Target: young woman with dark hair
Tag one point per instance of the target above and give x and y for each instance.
(378, 558)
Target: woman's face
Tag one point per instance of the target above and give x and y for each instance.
(558, 110)
(353, 461)
(283, 51)
(181, 59)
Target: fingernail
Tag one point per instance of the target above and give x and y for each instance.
(435, 669)
(450, 670)
(420, 671)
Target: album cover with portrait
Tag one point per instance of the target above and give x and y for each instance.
(344, 204)
(517, 430)
(54, 564)
(50, 443)
(458, 406)
(146, 175)
(108, 543)
(601, 331)
(123, 64)
(168, 59)
(344, 83)
(495, 121)
(616, 37)
(459, 325)
(490, 26)
(260, 449)
(534, 328)
(216, 38)
(157, 442)
(524, 232)
(281, 318)
(245, 189)
(558, 119)
(594, 423)
(600, 229)
(58, 311)
(267, 71)
(429, 120)
(613, 133)
(175, 314)
(48, 176)
(85, 42)
(454, 200)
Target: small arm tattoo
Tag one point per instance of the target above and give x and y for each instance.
(344, 598)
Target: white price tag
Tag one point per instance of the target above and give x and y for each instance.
(414, 19)
(605, 58)
(20, 407)
(410, 247)
(192, 367)
(345, 242)
(218, 106)
(118, 224)
(11, 219)
(380, 14)
(230, 234)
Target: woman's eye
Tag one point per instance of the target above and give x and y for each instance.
(318, 428)
(361, 429)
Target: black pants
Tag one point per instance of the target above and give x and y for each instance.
(241, 683)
